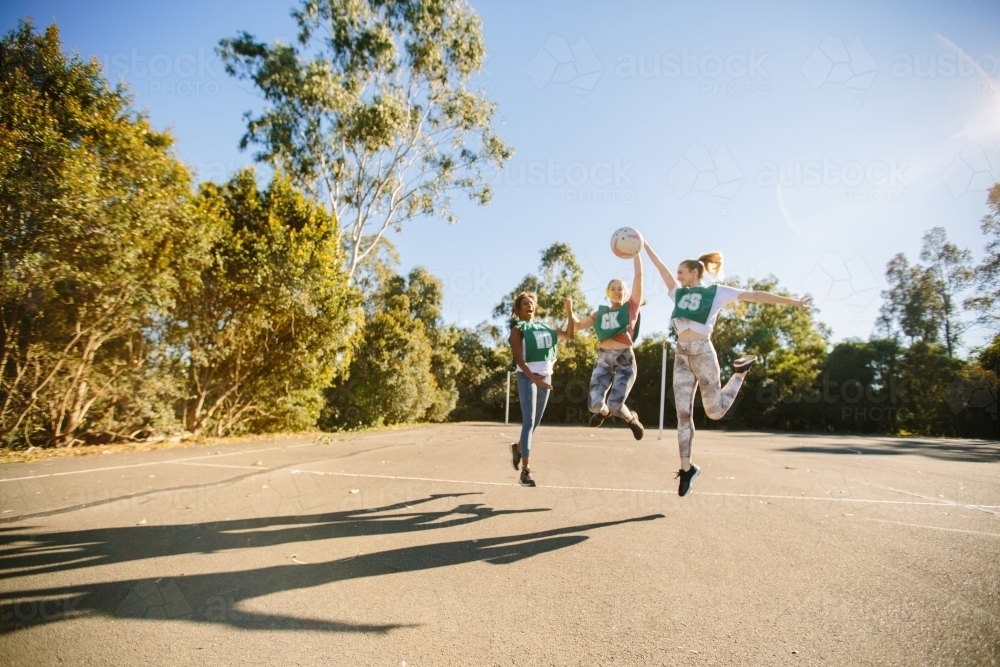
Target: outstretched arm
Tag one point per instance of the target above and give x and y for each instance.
(567, 334)
(665, 273)
(637, 281)
(757, 296)
(585, 323)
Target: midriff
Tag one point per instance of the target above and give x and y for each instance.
(612, 344)
(689, 335)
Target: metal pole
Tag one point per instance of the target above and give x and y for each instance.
(506, 414)
(663, 387)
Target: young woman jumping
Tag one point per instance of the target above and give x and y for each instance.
(696, 308)
(614, 372)
(534, 348)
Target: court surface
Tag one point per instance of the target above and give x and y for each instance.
(417, 547)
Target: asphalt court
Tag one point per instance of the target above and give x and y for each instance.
(417, 546)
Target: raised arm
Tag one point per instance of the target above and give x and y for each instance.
(570, 330)
(665, 273)
(637, 281)
(757, 296)
(585, 323)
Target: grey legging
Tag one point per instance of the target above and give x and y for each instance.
(696, 365)
(611, 381)
(533, 399)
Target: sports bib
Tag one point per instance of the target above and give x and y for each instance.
(694, 303)
(609, 322)
(539, 341)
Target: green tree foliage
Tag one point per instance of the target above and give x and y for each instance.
(953, 274)
(482, 380)
(559, 278)
(98, 228)
(912, 305)
(791, 346)
(986, 301)
(267, 324)
(924, 301)
(372, 108)
(406, 365)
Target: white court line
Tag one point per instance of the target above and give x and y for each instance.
(216, 465)
(619, 490)
(156, 463)
(920, 525)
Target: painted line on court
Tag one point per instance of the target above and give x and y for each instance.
(216, 465)
(920, 525)
(372, 436)
(156, 463)
(621, 490)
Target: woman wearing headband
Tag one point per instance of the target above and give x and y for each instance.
(617, 327)
(696, 308)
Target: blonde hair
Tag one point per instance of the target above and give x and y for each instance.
(710, 262)
(625, 290)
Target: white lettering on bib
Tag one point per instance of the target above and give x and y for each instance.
(543, 339)
(610, 320)
(690, 301)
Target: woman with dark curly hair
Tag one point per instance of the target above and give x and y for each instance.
(534, 347)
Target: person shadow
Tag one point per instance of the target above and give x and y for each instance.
(215, 598)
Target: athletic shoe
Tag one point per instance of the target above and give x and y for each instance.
(687, 478)
(515, 455)
(636, 426)
(744, 364)
(597, 419)
(526, 478)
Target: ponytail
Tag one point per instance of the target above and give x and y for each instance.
(712, 261)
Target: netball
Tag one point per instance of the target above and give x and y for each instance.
(626, 242)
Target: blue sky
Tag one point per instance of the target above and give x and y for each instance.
(811, 141)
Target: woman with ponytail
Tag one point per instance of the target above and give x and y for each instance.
(616, 327)
(696, 308)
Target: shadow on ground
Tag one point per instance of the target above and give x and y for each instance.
(974, 451)
(215, 597)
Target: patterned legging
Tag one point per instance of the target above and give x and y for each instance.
(611, 381)
(696, 364)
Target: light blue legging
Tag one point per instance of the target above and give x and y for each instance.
(533, 399)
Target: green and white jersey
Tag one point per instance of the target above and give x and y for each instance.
(620, 324)
(538, 346)
(697, 308)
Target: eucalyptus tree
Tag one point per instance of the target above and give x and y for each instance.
(953, 273)
(924, 301)
(986, 300)
(372, 109)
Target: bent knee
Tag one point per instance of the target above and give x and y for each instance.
(715, 415)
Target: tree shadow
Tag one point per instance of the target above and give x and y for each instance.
(973, 451)
(215, 598)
